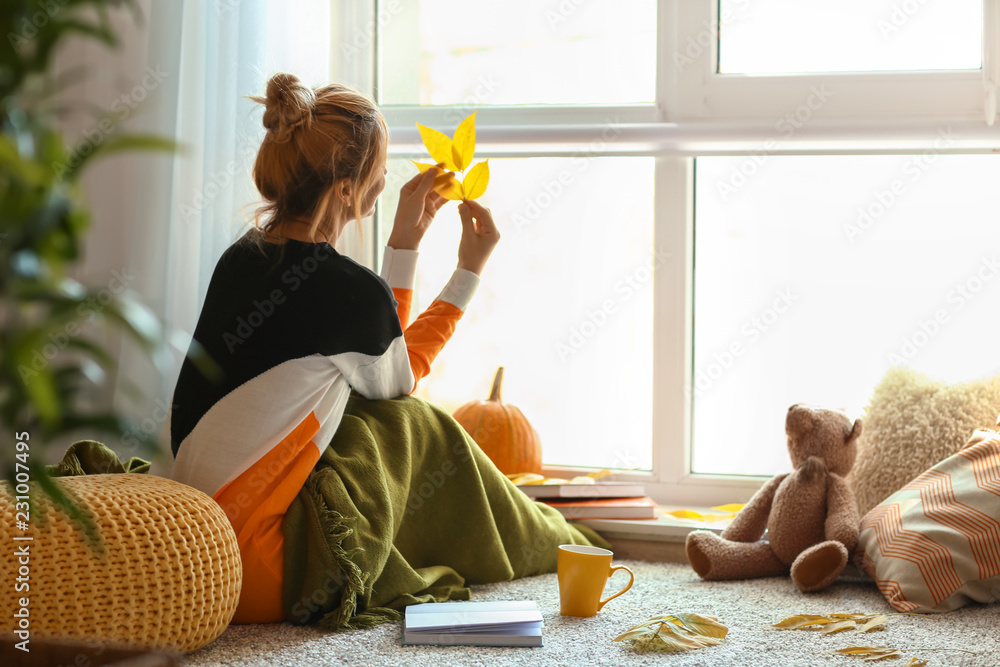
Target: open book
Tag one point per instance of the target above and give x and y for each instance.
(506, 623)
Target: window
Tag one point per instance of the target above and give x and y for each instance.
(783, 36)
(518, 52)
(565, 305)
(567, 301)
(805, 292)
(750, 181)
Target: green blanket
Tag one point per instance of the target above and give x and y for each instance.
(403, 507)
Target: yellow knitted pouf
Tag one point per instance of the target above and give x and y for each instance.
(169, 577)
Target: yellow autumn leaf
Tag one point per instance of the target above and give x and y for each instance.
(803, 621)
(676, 632)
(916, 662)
(706, 625)
(839, 626)
(871, 653)
(476, 180)
(599, 474)
(876, 622)
(438, 145)
(422, 166)
(448, 187)
(685, 514)
(862, 650)
(524, 477)
(732, 508)
(463, 146)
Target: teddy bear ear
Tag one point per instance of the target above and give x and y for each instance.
(855, 431)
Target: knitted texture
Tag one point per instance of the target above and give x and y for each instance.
(167, 575)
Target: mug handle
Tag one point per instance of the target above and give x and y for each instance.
(631, 580)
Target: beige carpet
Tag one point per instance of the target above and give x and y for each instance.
(748, 608)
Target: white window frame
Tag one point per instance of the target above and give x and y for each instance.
(696, 115)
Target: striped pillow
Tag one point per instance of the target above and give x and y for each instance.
(934, 545)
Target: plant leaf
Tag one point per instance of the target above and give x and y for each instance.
(839, 626)
(476, 180)
(422, 166)
(872, 653)
(916, 662)
(463, 146)
(448, 187)
(876, 622)
(676, 632)
(802, 621)
(732, 508)
(705, 625)
(438, 145)
(636, 632)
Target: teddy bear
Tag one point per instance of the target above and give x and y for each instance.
(810, 514)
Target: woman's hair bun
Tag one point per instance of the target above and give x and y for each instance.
(288, 105)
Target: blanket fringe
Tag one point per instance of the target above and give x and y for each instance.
(337, 529)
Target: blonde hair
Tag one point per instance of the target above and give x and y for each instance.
(315, 138)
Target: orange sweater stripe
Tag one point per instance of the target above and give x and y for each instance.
(255, 503)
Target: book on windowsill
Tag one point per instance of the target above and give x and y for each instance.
(505, 623)
(642, 507)
(596, 490)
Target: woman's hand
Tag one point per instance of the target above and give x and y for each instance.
(479, 236)
(418, 204)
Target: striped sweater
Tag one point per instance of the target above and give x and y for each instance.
(294, 330)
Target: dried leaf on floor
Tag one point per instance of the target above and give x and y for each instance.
(676, 632)
(833, 623)
(871, 653)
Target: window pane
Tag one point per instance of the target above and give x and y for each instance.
(565, 304)
(481, 52)
(814, 275)
(786, 36)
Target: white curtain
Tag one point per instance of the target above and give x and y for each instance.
(166, 220)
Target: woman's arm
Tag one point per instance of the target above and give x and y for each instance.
(429, 333)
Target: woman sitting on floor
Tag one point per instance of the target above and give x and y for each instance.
(347, 506)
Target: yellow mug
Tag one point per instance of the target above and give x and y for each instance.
(583, 571)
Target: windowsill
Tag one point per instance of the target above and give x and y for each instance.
(659, 540)
(662, 529)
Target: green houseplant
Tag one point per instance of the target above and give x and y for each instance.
(53, 337)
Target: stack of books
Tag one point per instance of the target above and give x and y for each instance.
(600, 500)
(507, 623)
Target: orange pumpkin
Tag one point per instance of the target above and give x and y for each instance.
(502, 431)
